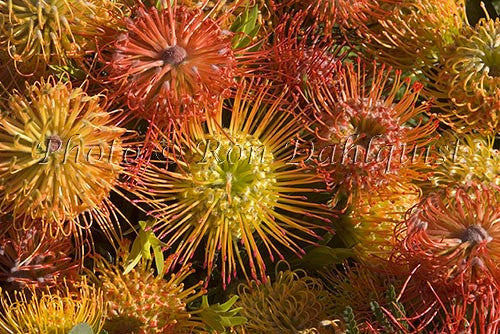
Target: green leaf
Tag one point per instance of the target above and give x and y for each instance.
(321, 256)
(245, 27)
(350, 321)
(220, 316)
(81, 328)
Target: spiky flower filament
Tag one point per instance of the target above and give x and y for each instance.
(52, 311)
(50, 32)
(362, 138)
(461, 160)
(453, 235)
(140, 303)
(233, 185)
(163, 59)
(290, 303)
(467, 88)
(410, 36)
(60, 152)
(32, 257)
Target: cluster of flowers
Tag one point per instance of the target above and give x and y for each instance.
(158, 157)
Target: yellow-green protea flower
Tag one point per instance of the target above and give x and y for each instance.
(410, 36)
(234, 186)
(52, 312)
(60, 155)
(375, 216)
(462, 160)
(291, 303)
(467, 88)
(141, 303)
(50, 32)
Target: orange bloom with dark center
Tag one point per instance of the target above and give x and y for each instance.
(166, 61)
(454, 238)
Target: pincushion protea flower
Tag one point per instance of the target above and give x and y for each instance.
(452, 237)
(50, 32)
(50, 311)
(410, 37)
(467, 88)
(362, 139)
(167, 63)
(463, 159)
(34, 258)
(234, 187)
(60, 156)
(290, 303)
(375, 216)
(140, 303)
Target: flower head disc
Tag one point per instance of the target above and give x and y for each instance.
(233, 185)
(362, 139)
(60, 153)
(50, 32)
(52, 312)
(167, 61)
(467, 89)
(290, 303)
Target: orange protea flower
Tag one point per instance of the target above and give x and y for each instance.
(363, 139)
(169, 62)
(32, 257)
(140, 303)
(375, 216)
(452, 235)
(291, 303)
(234, 186)
(299, 56)
(461, 160)
(60, 156)
(50, 311)
(411, 35)
(51, 32)
(467, 88)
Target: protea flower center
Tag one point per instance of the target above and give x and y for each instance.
(475, 234)
(233, 180)
(174, 55)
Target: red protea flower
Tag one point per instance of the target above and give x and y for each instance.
(300, 55)
(32, 257)
(452, 240)
(363, 139)
(166, 62)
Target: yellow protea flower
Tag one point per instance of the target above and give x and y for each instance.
(464, 159)
(235, 185)
(139, 302)
(375, 216)
(51, 32)
(60, 155)
(411, 35)
(52, 312)
(290, 303)
(467, 88)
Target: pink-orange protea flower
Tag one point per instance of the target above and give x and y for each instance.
(451, 238)
(362, 136)
(412, 34)
(33, 258)
(300, 55)
(467, 87)
(168, 63)
(61, 156)
(234, 186)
